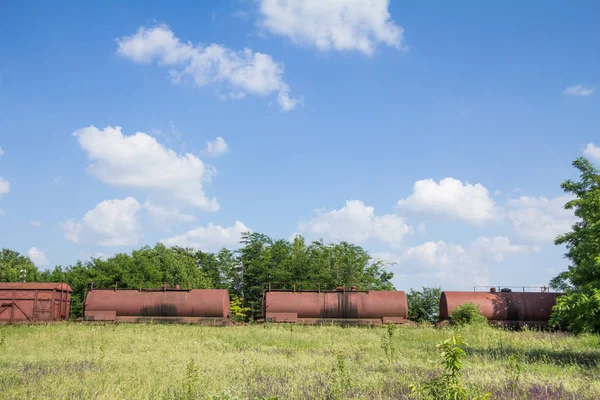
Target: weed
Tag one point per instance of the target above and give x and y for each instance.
(513, 373)
(387, 342)
(191, 379)
(342, 382)
(448, 386)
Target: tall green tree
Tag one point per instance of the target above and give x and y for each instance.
(11, 264)
(424, 304)
(579, 308)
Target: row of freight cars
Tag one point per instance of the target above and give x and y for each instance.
(37, 302)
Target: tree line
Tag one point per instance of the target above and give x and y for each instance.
(244, 272)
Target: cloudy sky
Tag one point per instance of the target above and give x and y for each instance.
(434, 135)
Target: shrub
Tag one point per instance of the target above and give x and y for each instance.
(467, 314)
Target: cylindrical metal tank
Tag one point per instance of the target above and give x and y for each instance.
(502, 306)
(110, 304)
(311, 306)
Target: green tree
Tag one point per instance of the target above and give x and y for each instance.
(11, 264)
(579, 308)
(424, 305)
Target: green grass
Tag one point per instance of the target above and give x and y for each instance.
(153, 361)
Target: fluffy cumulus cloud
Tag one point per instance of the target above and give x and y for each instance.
(139, 161)
(450, 199)
(166, 215)
(110, 223)
(216, 147)
(452, 265)
(356, 223)
(209, 238)
(540, 219)
(344, 25)
(37, 257)
(578, 90)
(240, 72)
(592, 151)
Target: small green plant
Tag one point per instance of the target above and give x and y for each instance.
(467, 314)
(342, 378)
(102, 349)
(237, 311)
(191, 379)
(513, 373)
(448, 386)
(386, 342)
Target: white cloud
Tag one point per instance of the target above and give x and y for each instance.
(451, 199)
(356, 223)
(216, 147)
(110, 223)
(453, 265)
(37, 257)
(592, 151)
(578, 90)
(238, 71)
(210, 238)
(140, 162)
(166, 215)
(540, 219)
(1, 212)
(4, 186)
(343, 25)
(1, 152)
(36, 224)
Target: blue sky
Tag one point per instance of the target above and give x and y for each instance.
(434, 135)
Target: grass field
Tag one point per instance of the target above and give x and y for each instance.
(155, 361)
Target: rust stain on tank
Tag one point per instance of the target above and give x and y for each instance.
(502, 306)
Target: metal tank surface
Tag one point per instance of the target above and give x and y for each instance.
(341, 306)
(509, 308)
(206, 306)
(34, 302)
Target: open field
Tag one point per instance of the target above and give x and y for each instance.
(150, 361)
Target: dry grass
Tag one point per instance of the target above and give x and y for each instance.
(154, 361)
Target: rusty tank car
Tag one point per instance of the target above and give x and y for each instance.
(204, 306)
(503, 307)
(34, 302)
(335, 306)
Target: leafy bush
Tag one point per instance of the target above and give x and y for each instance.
(448, 386)
(467, 314)
(423, 306)
(578, 311)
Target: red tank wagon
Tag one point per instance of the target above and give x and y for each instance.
(507, 308)
(34, 302)
(340, 306)
(207, 306)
